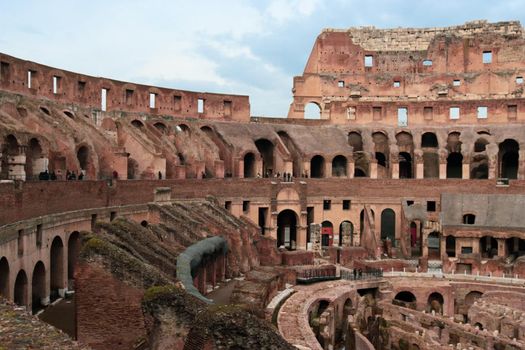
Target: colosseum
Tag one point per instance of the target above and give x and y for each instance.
(386, 211)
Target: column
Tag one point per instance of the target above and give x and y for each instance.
(442, 170)
(465, 173)
(350, 169)
(395, 169)
(373, 169)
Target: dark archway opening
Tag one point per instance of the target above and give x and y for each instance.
(435, 303)
(406, 299)
(455, 165)
(415, 239)
(57, 268)
(73, 248)
(434, 246)
(83, 157)
(33, 166)
(450, 246)
(327, 233)
(405, 165)
(429, 140)
(488, 247)
(4, 277)
(509, 159)
(133, 169)
(38, 287)
(388, 225)
(249, 165)
(317, 167)
(339, 164)
(287, 229)
(10, 148)
(266, 149)
(20, 294)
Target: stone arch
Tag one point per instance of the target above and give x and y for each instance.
(287, 222)
(34, 159)
(341, 232)
(38, 286)
(266, 149)
(10, 148)
(56, 267)
(429, 140)
(480, 145)
(73, 248)
(294, 151)
(312, 110)
(137, 124)
(84, 159)
(20, 296)
(339, 165)
(382, 153)
(472, 296)
(406, 299)
(183, 128)
(388, 225)
(435, 303)
(249, 165)
(455, 165)
(405, 165)
(356, 141)
(327, 233)
(160, 126)
(4, 277)
(453, 142)
(317, 166)
(508, 159)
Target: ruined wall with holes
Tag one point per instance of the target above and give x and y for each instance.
(426, 70)
(30, 78)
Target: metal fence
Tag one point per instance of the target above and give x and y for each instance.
(361, 274)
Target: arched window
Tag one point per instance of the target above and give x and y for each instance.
(339, 166)
(317, 167)
(312, 111)
(429, 140)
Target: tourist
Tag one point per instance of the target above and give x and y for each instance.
(53, 176)
(160, 175)
(115, 175)
(81, 176)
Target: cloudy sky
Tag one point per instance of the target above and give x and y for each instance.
(234, 46)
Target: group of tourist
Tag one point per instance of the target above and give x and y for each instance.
(52, 176)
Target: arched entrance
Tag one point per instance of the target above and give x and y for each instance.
(4, 277)
(508, 157)
(73, 247)
(405, 165)
(388, 225)
(341, 236)
(20, 294)
(339, 166)
(10, 148)
(327, 233)
(266, 149)
(450, 246)
(488, 247)
(38, 286)
(435, 303)
(455, 165)
(287, 229)
(83, 158)
(34, 166)
(312, 111)
(133, 169)
(317, 167)
(406, 299)
(249, 165)
(57, 268)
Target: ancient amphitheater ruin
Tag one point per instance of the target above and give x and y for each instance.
(157, 218)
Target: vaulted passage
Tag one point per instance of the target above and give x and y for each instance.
(249, 165)
(382, 152)
(57, 267)
(20, 292)
(339, 166)
(508, 158)
(83, 158)
(38, 286)
(388, 225)
(73, 247)
(455, 165)
(287, 229)
(4, 277)
(266, 149)
(317, 167)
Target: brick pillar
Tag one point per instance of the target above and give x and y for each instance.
(202, 280)
(465, 173)
(420, 168)
(521, 164)
(395, 169)
(327, 169)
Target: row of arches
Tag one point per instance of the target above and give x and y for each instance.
(434, 303)
(42, 272)
(37, 159)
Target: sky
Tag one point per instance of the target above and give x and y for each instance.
(246, 47)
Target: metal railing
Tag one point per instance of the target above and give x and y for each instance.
(361, 274)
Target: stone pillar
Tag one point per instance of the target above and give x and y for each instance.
(306, 168)
(327, 169)
(315, 236)
(240, 168)
(521, 164)
(350, 169)
(301, 237)
(395, 169)
(493, 168)
(465, 172)
(424, 244)
(346, 229)
(442, 170)
(420, 168)
(373, 169)
(16, 167)
(259, 167)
